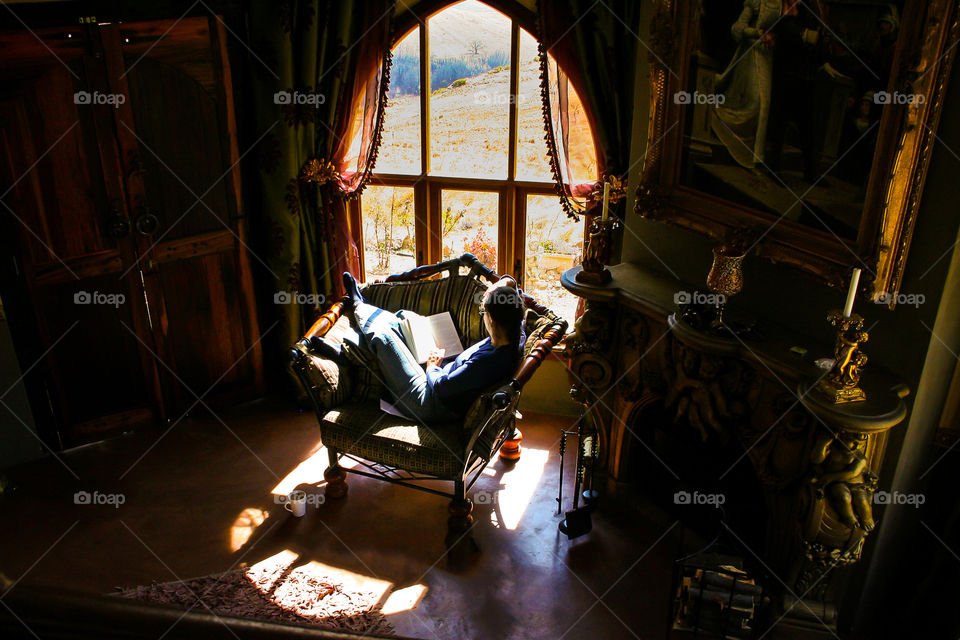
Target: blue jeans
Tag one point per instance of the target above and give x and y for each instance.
(401, 372)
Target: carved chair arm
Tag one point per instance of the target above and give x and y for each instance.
(319, 329)
(530, 364)
(452, 266)
(502, 403)
(325, 322)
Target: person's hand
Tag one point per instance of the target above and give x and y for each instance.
(768, 39)
(435, 358)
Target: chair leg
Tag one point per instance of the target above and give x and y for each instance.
(510, 450)
(459, 541)
(335, 476)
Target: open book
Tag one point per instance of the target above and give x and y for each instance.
(423, 334)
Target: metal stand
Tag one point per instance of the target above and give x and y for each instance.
(578, 522)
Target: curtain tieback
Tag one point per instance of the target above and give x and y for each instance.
(618, 190)
(318, 171)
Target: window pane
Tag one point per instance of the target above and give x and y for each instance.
(470, 222)
(553, 244)
(388, 231)
(583, 155)
(400, 144)
(532, 163)
(470, 91)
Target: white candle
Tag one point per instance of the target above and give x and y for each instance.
(606, 199)
(851, 293)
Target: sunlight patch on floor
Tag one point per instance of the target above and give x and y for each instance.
(272, 567)
(244, 526)
(405, 599)
(518, 485)
(349, 579)
(309, 472)
(316, 590)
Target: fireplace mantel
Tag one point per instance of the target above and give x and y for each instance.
(817, 462)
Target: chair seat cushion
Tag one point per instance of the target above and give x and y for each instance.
(361, 429)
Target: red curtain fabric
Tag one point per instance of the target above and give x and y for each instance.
(595, 46)
(563, 122)
(317, 72)
(355, 140)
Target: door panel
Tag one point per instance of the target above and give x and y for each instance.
(65, 199)
(196, 267)
(120, 272)
(98, 357)
(208, 317)
(67, 221)
(180, 149)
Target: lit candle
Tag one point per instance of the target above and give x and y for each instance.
(851, 293)
(606, 199)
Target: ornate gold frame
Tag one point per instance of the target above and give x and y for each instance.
(906, 139)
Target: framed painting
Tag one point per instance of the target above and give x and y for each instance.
(801, 127)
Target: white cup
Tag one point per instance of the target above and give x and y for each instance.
(297, 503)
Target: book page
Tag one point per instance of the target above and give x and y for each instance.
(386, 407)
(418, 335)
(445, 334)
(424, 334)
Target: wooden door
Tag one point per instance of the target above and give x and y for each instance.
(77, 310)
(178, 143)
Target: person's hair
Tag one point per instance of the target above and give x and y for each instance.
(506, 310)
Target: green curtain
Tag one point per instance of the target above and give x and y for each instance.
(319, 71)
(596, 46)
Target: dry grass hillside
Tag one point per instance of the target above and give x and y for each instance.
(468, 136)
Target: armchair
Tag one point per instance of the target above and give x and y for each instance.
(404, 451)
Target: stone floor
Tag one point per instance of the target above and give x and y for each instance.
(199, 500)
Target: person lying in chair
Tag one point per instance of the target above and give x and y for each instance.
(438, 392)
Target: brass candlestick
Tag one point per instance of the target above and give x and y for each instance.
(725, 277)
(841, 384)
(597, 253)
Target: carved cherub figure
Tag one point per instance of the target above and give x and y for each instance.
(850, 360)
(841, 474)
(597, 253)
(697, 393)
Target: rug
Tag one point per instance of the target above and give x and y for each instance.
(274, 592)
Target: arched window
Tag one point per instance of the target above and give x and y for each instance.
(464, 166)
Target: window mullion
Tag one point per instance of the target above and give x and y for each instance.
(424, 98)
(510, 226)
(519, 244)
(434, 242)
(512, 104)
